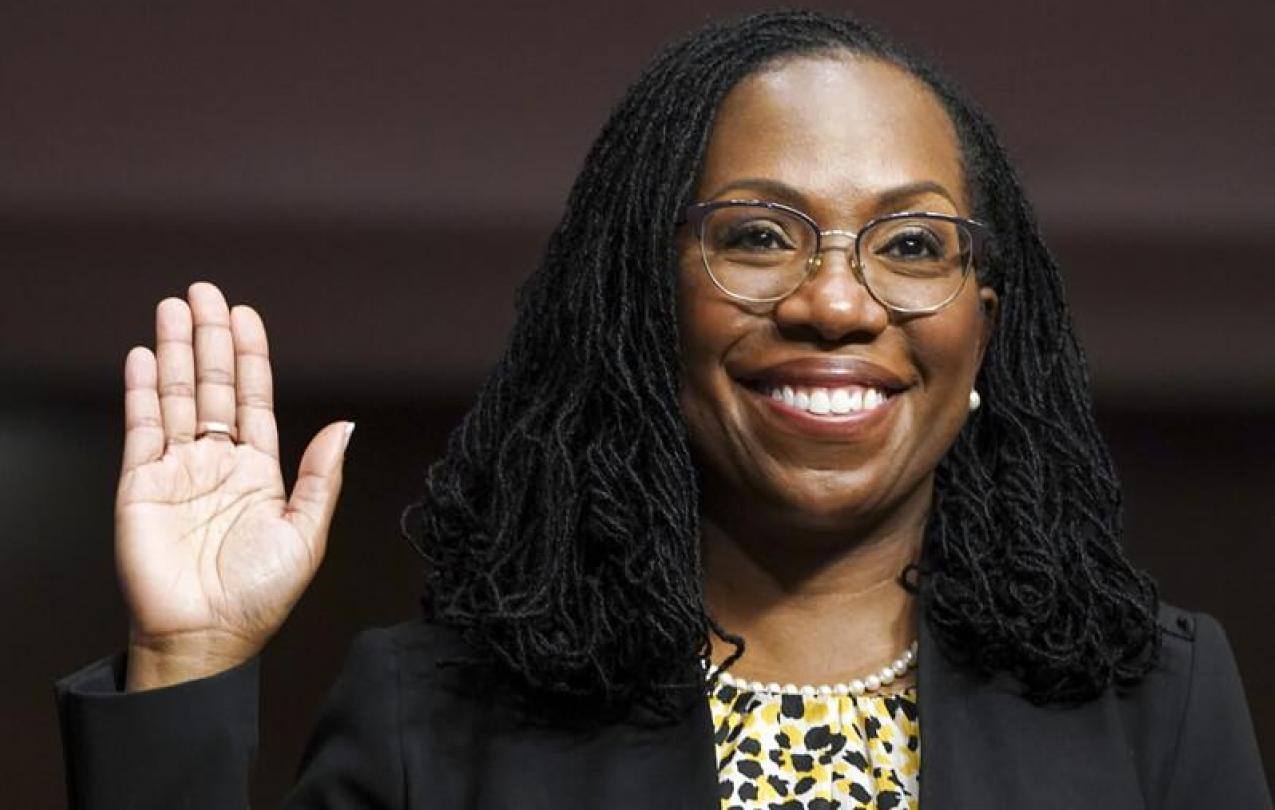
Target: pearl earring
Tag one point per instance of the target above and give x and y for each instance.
(975, 400)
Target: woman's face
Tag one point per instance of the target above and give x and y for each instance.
(844, 140)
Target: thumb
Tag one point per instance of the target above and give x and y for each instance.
(318, 484)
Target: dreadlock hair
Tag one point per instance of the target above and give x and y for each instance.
(560, 529)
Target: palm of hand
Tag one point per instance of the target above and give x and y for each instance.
(205, 543)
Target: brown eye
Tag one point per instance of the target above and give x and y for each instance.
(755, 236)
(916, 244)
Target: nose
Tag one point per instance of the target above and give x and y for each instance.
(832, 300)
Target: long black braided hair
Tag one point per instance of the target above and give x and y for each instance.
(560, 529)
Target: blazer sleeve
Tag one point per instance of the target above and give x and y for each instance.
(192, 745)
(1216, 762)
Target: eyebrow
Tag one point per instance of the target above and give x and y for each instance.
(884, 199)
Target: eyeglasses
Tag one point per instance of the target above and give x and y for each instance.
(761, 252)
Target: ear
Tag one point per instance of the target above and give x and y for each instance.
(989, 307)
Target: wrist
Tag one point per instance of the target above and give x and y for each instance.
(153, 665)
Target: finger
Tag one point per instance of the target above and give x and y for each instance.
(175, 363)
(254, 386)
(318, 484)
(214, 355)
(143, 422)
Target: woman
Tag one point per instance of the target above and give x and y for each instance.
(787, 493)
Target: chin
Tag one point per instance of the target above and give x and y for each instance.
(838, 501)
(826, 512)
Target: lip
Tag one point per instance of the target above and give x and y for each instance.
(827, 372)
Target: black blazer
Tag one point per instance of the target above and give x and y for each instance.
(399, 731)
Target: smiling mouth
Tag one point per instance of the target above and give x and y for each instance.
(825, 401)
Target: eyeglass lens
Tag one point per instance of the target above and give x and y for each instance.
(763, 253)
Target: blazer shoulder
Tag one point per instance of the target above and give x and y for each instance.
(1214, 747)
(1170, 677)
(1153, 707)
(1178, 628)
(418, 643)
(1192, 642)
(1177, 621)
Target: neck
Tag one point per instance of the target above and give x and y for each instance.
(825, 608)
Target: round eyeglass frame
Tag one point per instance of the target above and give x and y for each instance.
(695, 214)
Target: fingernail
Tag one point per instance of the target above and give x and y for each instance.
(349, 428)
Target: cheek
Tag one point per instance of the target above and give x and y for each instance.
(945, 351)
(700, 349)
(705, 323)
(708, 327)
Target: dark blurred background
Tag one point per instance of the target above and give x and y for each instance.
(376, 178)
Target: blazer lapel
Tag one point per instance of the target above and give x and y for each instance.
(471, 746)
(984, 747)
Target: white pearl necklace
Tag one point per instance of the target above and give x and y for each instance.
(856, 687)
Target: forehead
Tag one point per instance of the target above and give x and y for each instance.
(839, 128)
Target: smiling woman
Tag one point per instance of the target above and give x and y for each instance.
(818, 419)
(787, 493)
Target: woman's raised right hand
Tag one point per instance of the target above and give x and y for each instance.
(212, 553)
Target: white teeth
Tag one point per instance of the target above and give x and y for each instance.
(824, 401)
(840, 400)
(819, 402)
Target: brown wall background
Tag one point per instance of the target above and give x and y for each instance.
(376, 179)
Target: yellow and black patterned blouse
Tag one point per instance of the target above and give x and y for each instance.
(795, 752)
